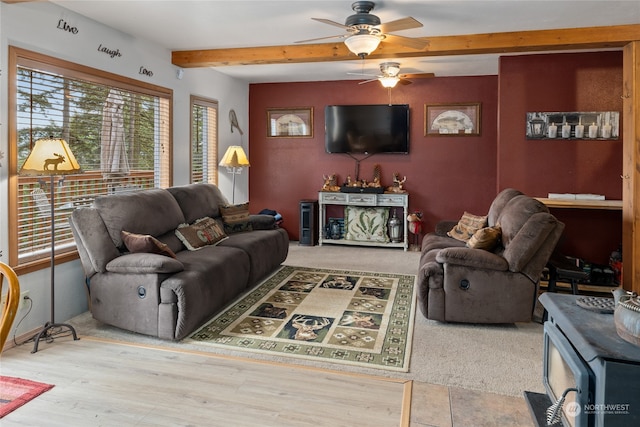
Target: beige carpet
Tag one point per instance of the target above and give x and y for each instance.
(503, 359)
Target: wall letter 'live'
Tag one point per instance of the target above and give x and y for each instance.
(62, 25)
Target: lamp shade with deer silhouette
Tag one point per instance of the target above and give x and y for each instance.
(50, 156)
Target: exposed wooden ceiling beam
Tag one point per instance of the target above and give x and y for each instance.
(489, 43)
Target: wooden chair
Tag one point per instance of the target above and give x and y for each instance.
(13, 300)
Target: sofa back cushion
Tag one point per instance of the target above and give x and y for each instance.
(529, 235)
(515, 214)
(154, 212)
(499, 203)
(198, 201)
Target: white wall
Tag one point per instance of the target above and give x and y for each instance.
(33, 26)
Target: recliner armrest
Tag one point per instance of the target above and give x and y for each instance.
(476, 258)
(141, 263)
(262, 221)
(445, 226)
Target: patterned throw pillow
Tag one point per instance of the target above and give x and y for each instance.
(144, 243)
(486, 238)
(204, 232)
(236, 218)
(366, 224)
(467, 226)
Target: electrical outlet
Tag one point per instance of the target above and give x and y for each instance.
(24, 303)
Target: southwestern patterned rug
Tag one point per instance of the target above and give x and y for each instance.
(15, 392)
(348, 317)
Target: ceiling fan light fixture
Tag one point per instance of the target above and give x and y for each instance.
(389, 81)
(362, 44)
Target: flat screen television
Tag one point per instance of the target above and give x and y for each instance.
(367, 129)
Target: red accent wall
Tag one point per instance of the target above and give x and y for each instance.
(563, 82)
(445, 175)
(448, 175)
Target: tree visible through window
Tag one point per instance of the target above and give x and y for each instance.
(118, 130)
(204, 140)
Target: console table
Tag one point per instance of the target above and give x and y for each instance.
(390, 200)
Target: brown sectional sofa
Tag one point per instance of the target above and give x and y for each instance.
(158, 295)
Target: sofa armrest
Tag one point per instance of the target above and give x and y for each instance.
(143, 263)
(476, 258)
(443, 227)
(262, 222)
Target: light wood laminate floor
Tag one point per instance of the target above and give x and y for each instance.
(101, 383)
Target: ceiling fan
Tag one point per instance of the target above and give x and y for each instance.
(365, 31)
(390, 75)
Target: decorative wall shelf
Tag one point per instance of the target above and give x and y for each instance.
(582, 204)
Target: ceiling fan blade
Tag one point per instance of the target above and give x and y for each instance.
(364, 75)
(417, 76)
(413, 43)
(330, 22)
(399, 25)
(368, 81)
(404, 81)
(323, 38)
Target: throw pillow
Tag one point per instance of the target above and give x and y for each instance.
(144, 243)
(486, 238)
(204, 232)
(467, 226)
(236, 218)
(366, 224)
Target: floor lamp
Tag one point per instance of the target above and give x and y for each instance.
(234, 160)
(51, 157)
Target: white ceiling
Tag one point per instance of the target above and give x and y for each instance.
(214, 24)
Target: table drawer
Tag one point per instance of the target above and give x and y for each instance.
(333, 198)
(391, 199)
(362, 199)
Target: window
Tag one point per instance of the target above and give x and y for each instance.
(204, 140)
(118, 129)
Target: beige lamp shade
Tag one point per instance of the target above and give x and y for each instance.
(50, 157)
(235, 157)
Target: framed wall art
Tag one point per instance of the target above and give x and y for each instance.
(290, 122)
(573, 125)
(459, 119)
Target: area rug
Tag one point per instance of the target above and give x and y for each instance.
(15, 392)
(348, 317)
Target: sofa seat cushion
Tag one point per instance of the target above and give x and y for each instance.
(264, 248)
(212, 278)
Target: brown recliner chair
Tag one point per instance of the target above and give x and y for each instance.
(457, 283)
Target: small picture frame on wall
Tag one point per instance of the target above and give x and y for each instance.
(290, 122)
(458, 119)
